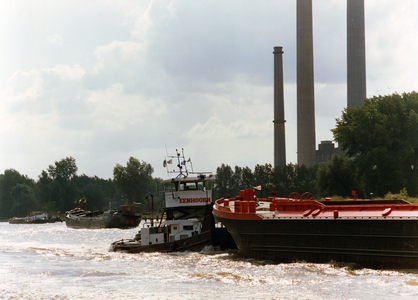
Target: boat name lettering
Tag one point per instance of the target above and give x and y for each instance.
(194, 200)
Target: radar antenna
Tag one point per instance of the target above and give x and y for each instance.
(181, 164)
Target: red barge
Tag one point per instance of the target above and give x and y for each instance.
(380, 234)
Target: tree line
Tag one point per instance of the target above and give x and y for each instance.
(59, 189)
(380, 156)
(283, 180)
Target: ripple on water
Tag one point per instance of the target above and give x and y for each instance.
(55, 262)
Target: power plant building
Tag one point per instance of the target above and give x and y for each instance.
(326, 151)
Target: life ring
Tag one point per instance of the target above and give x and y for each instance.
(294, 196)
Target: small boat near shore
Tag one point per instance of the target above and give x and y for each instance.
(380, 234)
(36, 217)
(128, 216)
(188, 223)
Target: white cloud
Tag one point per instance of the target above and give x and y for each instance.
(41, 92)
(130, 76)
(391, 46)
(66, 73)
(22, 87)
(54, 39)
(113, 110)
(117, 55)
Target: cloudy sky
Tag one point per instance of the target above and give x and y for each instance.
(105, 80)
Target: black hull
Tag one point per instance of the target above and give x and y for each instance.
(23, 221)
(111, 221)
(374, 243)
(218, 237)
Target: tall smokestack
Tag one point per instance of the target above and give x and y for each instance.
(356, 56)
(305, 84)
(279, 128)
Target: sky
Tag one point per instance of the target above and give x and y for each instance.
(102, 81)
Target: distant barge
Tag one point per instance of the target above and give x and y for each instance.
(128, 216)
(380, 234)
(36, 217)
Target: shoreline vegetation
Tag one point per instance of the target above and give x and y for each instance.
(400, 196)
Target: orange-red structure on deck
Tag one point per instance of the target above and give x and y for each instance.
(295, 207)
(375, 233)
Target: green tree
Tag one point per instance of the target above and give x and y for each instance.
(224, 185)
(287, 181)
(135, 180)
(64, 169)
(305, 179)
(247, 178)
(63, 190)
(8, 181)
(43, 192)
(64, 193)
(336, 177)
(237, 183)
(381, 138)
(294, 178)
(91, 191)
(283, 179)
(24, 200)
(279, 181)
(263, 175)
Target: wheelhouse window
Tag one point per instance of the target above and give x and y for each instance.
(187, 186)
(170, 187)
(204, 184)
(188, 227)
(194, 185)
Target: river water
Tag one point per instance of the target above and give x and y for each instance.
(51, 261)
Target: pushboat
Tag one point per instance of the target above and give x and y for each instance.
(128, 216)
(188, 223)
(379, 234)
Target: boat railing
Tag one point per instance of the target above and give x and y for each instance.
(153, 223)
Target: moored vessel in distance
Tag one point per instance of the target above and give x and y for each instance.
(380, 234)
(128, 216)
(188, 223)
(36, 217)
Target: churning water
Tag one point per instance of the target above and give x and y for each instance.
(51, 261)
